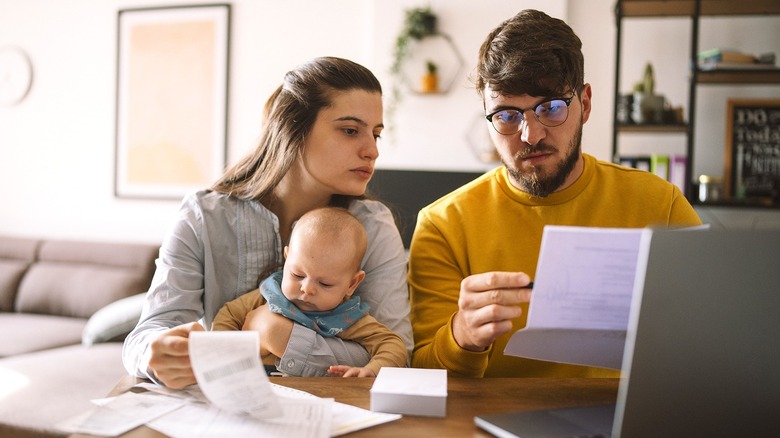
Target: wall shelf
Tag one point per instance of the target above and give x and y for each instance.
(439, 49)
(766, 76)
(687, 8)
(655, 129)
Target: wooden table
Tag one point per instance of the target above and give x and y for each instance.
(466, 398)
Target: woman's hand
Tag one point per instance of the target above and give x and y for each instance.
(487, 305)
(170, 359)
(274, 329)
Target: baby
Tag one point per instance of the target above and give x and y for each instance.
(315, 289)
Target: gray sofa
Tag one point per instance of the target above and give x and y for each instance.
(65, 307)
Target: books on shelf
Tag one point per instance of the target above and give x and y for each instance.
(659, 165)
(677, 165)
(710, 66)
(726, 55)
(668, 167)
(727, 59)
(641, 162)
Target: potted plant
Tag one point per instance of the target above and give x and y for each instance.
(418, 24)
(430, 80)
(648, 107)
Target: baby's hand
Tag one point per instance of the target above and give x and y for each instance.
(348, 371)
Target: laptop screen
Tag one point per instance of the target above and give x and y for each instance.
(702, 351)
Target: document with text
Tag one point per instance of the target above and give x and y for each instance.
(581, 298)
(228, 369)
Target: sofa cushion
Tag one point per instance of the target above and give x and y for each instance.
(115, 321)
(24, 333)
(11, 272)
(16, 255)
(18, 248)
(39, 390)
(78, 278)
(73, 289)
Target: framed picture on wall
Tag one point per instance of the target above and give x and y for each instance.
(753, 150)
(171, 102)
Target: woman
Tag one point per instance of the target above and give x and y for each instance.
(318, 148)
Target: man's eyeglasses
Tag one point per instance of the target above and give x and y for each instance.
(551, 112)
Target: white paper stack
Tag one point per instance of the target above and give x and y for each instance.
(411, 391)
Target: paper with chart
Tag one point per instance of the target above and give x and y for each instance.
(582, 296)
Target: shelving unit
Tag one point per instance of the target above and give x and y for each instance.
(695, 10)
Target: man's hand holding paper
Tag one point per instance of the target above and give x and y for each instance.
(487, 305)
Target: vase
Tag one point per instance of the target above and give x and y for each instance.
(430, 83)
(648, 108)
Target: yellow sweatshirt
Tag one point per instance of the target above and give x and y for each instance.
(489, 225)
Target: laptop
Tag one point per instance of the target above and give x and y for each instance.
(702, 353)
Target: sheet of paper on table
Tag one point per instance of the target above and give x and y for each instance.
(115, 416)
(310, 418)
(346, 418)
(581, 298)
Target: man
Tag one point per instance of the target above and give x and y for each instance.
(474, 249)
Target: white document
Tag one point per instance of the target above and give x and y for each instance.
(346, 418)
(309, 418)
(229, 372)
(582, 297)
(118, 415)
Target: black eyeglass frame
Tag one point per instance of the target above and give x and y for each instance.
(566, 100)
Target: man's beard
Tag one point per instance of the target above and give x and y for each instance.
(541, 187)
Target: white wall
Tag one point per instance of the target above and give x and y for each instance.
(57, 146)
